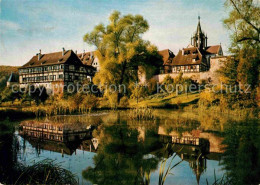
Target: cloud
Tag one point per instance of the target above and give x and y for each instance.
(50, 25)
(8, 25)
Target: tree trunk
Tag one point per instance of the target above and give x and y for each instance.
(121, 80)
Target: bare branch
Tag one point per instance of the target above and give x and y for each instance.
(248, 38)
(243, 17)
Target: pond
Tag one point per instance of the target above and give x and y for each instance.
(110, 148)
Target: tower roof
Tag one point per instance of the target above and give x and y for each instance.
(198, 31)
(12, 78)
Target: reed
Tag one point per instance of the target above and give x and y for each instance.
(45, 172)
(141, 113)
(164, 172)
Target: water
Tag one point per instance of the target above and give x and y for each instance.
(110, 148)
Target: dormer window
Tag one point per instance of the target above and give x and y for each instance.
(43, 62)
(31, 63)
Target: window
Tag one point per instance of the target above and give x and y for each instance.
(66, 76)
(71, 68)
(52, 77)
(61, 76)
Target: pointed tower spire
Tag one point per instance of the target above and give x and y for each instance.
(199, 31)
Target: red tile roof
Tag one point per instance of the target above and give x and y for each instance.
(167, 56)
(213, 49)
(86, 57)
(53, 58)
(188, 56)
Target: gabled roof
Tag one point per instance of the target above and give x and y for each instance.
(188, 56)
(12, 78)
(53, 58)
(213, 49)
(87, 58)
(167, 56)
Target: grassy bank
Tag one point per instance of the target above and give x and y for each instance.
(189, 102)
(167, 101)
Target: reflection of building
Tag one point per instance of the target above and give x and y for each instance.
(58, 137)
(53, 131)
(195, 137)
(195, 147)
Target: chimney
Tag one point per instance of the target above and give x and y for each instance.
(76, 52)
(63, 51)
(39, 54)
(182, 51)
(83, 54)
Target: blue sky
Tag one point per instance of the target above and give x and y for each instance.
(29, 25)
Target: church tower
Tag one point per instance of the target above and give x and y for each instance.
(199, 39)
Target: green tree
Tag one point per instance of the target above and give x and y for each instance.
(138, 92)
(38, 94)
(9, 94)
(243, 22)
(121, 50)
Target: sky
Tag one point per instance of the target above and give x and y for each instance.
(29, 25)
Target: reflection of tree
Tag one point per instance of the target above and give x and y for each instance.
(242, 156)
(7, 152)
(121, 158)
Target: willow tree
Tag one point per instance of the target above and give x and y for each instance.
(121, 50)
(243, 22)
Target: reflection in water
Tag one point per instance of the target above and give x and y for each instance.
(241, 159)
(53, 136)
(110, 149)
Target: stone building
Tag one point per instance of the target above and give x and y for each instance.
(196, 57)
(52, 69)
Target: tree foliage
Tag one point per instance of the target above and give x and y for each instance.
(243, 67)
(121, 49)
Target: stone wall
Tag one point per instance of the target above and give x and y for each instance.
(210, 76)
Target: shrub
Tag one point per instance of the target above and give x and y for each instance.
(206, 98)
(152, 86)
(124, 102)
(89, 102)
(138, 92)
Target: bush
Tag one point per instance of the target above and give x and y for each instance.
(124, 102)
(206, 98)
(138, 92)
(112, 99)
(152, 86)
(89, 102)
